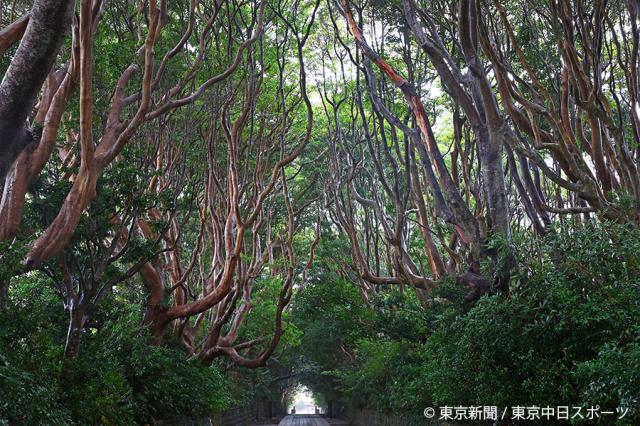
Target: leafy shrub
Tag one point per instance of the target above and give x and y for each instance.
(613, 378)
(566, 335)
(26, 400)
(386, 376)
(119, 378)
(138, 381)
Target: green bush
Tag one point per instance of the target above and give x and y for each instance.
(26, 400)
(613, 378)
(119, 378)
(139, 382)
(566, 335)
(31, 336)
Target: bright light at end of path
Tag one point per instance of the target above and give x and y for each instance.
(303, 402)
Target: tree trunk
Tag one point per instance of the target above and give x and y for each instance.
(77, 319)
(27, 72)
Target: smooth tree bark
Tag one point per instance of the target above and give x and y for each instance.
(487, 129)
(216, 122)
(48, 23)
(12, 33)
(237, 223)
(530, 144)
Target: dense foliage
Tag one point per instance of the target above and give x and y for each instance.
(394, 203)
(566, 335)
(119, 378)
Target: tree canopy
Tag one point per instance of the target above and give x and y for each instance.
(397, 203)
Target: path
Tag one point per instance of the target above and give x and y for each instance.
(303, 420)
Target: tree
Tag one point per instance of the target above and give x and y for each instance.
(500, 151)
(249, 156)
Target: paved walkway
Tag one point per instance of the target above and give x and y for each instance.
(303, 420)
